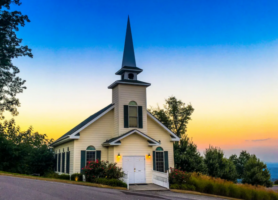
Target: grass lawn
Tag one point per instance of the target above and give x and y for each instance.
(59, 180)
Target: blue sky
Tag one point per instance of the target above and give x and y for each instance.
(159, 23)
(220, 56)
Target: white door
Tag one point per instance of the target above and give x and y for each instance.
(134, 166)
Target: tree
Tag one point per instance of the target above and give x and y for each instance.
(187, 157)
(174, 116)
(10, 48)
(218, 166)
(256, 173)
(24, 152)
(240, 162)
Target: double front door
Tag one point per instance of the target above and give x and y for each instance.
(134, 166)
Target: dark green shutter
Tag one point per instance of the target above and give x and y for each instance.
(59, 162)
(166, 162)
(99, 155)
(63, 162)
(154, 168)
(55, 168)
(140, 115)
(68, 162)
(82, 161)
(125, 116)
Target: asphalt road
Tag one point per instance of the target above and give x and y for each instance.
(13, 188)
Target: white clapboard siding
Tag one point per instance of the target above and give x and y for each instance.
(94, 135)
(122, 95)
(158, 133)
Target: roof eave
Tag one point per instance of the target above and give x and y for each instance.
(127, 83)
(123, 70)
(61, 141)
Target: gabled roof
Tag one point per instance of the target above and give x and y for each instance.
(75, 131)
(128, 82)
(117, 140)
(174, 137)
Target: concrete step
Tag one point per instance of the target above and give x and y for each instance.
(149, 186)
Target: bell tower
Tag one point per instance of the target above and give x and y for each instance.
(129, 89)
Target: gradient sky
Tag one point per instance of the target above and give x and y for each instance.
(220, 56)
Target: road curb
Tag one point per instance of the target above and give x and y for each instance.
(202, 194)
(65, 181)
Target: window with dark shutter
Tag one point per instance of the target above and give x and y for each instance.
(90, 154)
(68, 162)
(99, 155)
(63, 162)
(82, 160)
(166, 161)
(159, 159)
(59, 162)
(56, 157)
(140, 115)
(125, 116)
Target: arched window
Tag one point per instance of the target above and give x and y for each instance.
(132, 103)
(90, 154)
(159, 159)
(133, 114)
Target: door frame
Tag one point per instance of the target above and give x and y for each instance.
(144, 167)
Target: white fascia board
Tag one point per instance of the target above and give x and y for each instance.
(176, 138)
(66, 139)
(157, 144)
(89, 123)
(74, 137)
(114, 144)
(138, 132)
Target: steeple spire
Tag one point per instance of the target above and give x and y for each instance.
(129, 55)
(129, 71)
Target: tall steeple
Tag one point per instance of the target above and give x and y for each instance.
(129, 70)
(129, 55)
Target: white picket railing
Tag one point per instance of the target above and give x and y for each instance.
(161, 178)
(125, 179)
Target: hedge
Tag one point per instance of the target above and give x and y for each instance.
(216, 186)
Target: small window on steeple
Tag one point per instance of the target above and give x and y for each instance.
(131, 76)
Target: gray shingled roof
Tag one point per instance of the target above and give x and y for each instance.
(128, 82)
(86, 121)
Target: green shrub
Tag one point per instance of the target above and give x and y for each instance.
(217, 186)
(111, 182)
(76, 175)
(64, 176)
(276, 182)
(234, 191)
(175, 186)
(51, 175)
(178, 176)
(102, 169)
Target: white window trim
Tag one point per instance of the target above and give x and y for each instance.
(163, 160)
(137, 116)
(86, 155)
